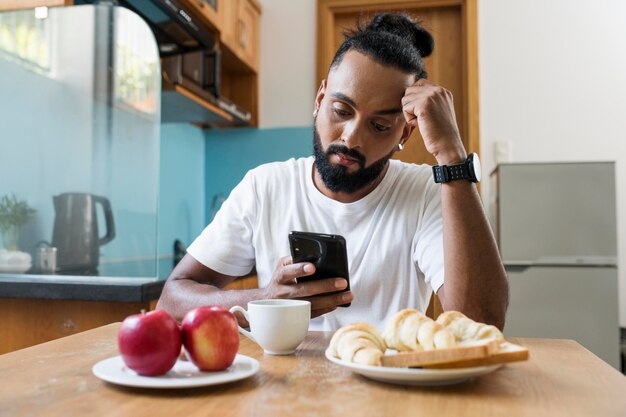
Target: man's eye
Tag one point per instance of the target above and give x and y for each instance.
(380, 128)
(340, 112)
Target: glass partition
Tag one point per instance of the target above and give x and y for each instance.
(79, 140)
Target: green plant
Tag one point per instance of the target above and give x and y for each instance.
(13, 214)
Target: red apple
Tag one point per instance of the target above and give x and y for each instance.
(210, 337)
(150, 342)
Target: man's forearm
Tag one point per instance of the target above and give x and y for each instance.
(181, 295)
(475, 280)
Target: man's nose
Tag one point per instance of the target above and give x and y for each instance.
(351, 135)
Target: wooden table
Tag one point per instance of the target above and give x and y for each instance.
(54, 379)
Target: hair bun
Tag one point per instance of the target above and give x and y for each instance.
(405, 27)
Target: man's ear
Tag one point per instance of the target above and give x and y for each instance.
(321, 92)
(406, 133)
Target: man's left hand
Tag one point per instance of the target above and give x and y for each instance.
(430, 108)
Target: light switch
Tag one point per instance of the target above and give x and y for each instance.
(502, 151)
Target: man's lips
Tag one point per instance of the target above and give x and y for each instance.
(343, 159)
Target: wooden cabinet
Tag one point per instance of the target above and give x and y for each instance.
(227, 10)
(240, 30)
(236, 24)
(26, 4)
(27, 322)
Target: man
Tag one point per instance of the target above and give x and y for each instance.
(402, 229)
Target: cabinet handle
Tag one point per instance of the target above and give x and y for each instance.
(68, 325)
(243, 35)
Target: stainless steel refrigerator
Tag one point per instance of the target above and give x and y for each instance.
(556, 229)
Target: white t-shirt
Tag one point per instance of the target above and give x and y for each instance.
(394, 235)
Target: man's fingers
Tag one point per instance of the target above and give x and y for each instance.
(408, 111)
(284, 261)
(317, 313)
(322, 286)
(241, 319)
(330, 301)
(287, 273)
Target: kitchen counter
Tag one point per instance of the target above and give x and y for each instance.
(66, 287)
(39, 308)
(561, 378)
(130, 281)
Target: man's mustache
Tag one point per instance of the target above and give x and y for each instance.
(348, 152)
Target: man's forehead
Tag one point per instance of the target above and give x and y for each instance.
(365, 81)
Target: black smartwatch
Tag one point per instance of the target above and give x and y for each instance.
(466, 170)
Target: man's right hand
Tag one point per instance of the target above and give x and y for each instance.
(284, 285)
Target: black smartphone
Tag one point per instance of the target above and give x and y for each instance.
(327, 252)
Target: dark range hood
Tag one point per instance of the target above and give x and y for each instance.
(174, 28)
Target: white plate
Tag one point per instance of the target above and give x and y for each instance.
(15, 268)
(184, 374)
(415, 376)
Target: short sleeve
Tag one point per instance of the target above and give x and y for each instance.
(226, 244)
(428, 253)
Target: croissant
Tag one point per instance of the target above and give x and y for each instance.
(410, 330)
(466, 330)
(359, 343)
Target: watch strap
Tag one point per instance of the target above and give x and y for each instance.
(446, 173)
(461, 171)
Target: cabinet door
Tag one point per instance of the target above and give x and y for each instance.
(209, 14)
(227, 10)
(566, 302)
(27, 321)
(240, 30)
(247, 33)
(28, 4)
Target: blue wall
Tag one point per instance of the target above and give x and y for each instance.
(197, 165)
(181, 185)
(231, 153)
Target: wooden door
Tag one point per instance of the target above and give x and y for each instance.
(453, 63)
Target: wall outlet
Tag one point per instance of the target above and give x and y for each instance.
(502, 152)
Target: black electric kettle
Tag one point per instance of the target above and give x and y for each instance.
(75, 233)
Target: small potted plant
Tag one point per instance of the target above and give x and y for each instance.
(13, 214)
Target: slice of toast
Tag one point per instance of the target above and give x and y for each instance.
(441, 356)
(487, 353)
(508, 352)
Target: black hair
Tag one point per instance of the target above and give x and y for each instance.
(392, 39)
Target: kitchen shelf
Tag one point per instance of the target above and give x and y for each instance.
(181, 105)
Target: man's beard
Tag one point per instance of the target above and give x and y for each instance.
(335, 177)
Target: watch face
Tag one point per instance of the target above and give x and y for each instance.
(477, 167)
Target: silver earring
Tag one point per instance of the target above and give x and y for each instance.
(315, 113)
(400, 146)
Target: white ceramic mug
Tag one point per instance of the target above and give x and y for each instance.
(278, 326)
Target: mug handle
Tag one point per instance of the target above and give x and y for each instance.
(241, 329)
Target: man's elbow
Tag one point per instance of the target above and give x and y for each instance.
(491, 309)
(496, 313)
(167, 300)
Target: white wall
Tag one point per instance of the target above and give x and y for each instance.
(552, 82)
(552, 86)
(287, 86)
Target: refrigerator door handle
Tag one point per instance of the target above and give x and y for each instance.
(517, 268)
